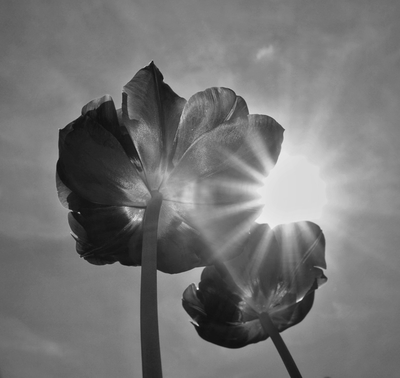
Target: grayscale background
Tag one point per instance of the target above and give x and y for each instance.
(328, 71)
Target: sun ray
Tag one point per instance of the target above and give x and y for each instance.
(234, 199)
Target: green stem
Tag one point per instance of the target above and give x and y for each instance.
(150, 340)
(280, 345)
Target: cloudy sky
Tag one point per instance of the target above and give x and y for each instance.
(328, 71)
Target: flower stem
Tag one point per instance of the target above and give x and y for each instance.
(266, 323)
(280, 345)
(150, 340)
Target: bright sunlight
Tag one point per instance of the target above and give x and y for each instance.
(292, 192)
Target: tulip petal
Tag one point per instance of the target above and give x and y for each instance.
(180, 247)
(287, 317)
(151, 111)
(206, 155)
(232, 335)
(102, 234)
(93, 164)
(303, 253)
(218, 315)
(217, 173)
(228, 328)
(257, 268)
(227, 162)
(70, 199)
(275, 274)
(262, 145)
(203, 112)
(281, 265)
(102, 110)
(63, 192)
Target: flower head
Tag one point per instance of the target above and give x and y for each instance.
(277, 274)
(205, 156)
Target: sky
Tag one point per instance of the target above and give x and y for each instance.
(327, 71)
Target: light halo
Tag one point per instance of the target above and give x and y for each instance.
(294, 191)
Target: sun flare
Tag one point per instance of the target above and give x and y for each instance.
(294, 191)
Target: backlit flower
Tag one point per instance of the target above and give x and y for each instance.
(205, 156)
(277, 274)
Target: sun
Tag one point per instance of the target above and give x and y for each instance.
(293, 191)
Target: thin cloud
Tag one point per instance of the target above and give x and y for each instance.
(265, 53)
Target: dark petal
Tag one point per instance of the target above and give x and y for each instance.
(203, 112)
(228, 163)
(277, 273)
(278, 267)
(103, 233)
(218, 314)
(262, 145)
(102, 110)
(68, 198)
(180, 247)
(303, 253)
(235, 335)
(256, 271)
(93, 164)
(151, 112)
(192, 304)
(214, 290)
(63, 191)
(219, 304)
(127, 144)
(214, 205)
(245, 153)
(289, 316)
(207, 154)
(105, 223)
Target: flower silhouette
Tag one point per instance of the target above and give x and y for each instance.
(276, 274)
(205, 156)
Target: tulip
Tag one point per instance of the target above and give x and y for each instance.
(205, 157)
(165, 183)
(268, 288)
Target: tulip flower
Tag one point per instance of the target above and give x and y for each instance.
(272, 281)
(205, 157)
(165, 183)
